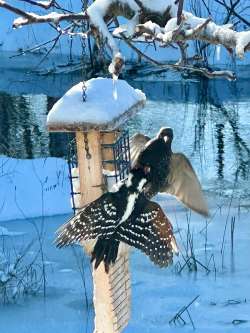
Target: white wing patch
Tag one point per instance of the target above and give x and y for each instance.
(130, 207)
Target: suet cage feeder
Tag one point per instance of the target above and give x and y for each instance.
(99, 156)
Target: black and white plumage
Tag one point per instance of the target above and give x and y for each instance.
(152, 233)
(125, 215)
(174, 175)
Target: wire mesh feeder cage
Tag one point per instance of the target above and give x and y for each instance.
(115, 160)
(120, 159)
(73, 175)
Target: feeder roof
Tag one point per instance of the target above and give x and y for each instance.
(108, 104)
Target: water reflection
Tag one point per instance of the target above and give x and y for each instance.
(22, 125)
(23, 132)
(220, 144)
(210, 121)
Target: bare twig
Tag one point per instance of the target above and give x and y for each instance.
(233, 11)
(48, 52)
(178, 319)
(232, 233)
(34, 48)
(179, 12)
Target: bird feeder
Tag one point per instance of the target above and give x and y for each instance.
(98, 158)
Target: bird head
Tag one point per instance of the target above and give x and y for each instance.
(156, 151)
(166, 133)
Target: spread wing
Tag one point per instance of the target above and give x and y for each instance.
(99, 218)
(137, 144)
(183, 183)
(152, 233)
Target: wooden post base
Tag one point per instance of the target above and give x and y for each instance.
(112, 297)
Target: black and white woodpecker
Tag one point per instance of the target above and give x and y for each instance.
(127, 215)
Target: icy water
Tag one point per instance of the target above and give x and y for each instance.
(210, 121)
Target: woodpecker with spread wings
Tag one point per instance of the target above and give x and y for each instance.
(171, 172)
(125, 215)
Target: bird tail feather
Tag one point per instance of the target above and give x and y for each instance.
(105, 250)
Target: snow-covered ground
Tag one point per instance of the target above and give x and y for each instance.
(157, 294)
(31, 188)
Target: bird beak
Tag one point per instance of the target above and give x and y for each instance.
(147, 170)
(174, 246)
(165, 138)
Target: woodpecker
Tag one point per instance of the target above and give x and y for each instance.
(171, 173)
(125, 215)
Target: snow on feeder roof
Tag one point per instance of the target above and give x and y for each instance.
(109, 104)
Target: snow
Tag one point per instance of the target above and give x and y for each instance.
(242, 43)
(160, 6)
(96, 13)
(45, 4)
(100, 107)
(128, 28)
(99, 8)
(117, 59)
(53, 16)
(6, 232)
(155, 28)
(30, 188)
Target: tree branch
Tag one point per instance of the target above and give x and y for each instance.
(42, 4)
(177, 67)
(32, 18)
(144, 22)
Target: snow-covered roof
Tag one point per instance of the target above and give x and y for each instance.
(108, 104)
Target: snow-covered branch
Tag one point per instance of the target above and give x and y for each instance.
(161, 21)
(198, 29)
(43, 4)
(163, 25)
(32, 18)
(229, 75)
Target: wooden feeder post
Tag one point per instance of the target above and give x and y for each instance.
(111, 291)
(89, 158)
